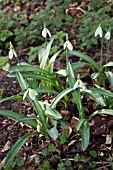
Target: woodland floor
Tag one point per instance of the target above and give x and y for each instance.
(11, 131)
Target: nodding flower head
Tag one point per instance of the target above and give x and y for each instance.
(45, 31)
(107, 35)
(32, 93)
(12, 52)
(99, 32)
(68, 45)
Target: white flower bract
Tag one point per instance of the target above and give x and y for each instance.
(68, 45)
(45, 31)
(107, 35)
(32, 94)
(99, 32)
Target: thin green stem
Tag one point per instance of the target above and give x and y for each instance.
(101, 53)
(18, 60)
(108, 49)
(67, 55)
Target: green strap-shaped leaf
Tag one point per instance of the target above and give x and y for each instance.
(96, 96)
(29, 68)
(86, 58)
(85, 134)
(76, 93)
(17, 116)
(102, 111)
(21, 81)
(45, 56)
(16, 147)
(102, 91)
(16, 97)
(109, 75)
(52, 60)
(76, 65)
(46, 90)
(60, 96)
(35, 76)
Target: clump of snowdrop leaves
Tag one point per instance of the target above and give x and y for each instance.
(107, 35)
(99, 32)
(68, 45)
(12, 52)
(46, 32)
(32, 94)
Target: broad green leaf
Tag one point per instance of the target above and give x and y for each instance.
(16, 147)
(86, 58)
(103, 111)
(110, 64)
(60, 96)
(102, 91)
(109, 75)
(81, 121)
(95, 75)
(40, 113)
(76, 65)
(26, 118)
(52, 113)
(85, 134)
(29, 68)
(17, 116)
(71, 77)
(36, 76)
(52, 60)
(97, 97)
(16, 97)
(53, 133)
(3, 60)
(21, 81)
(5, 67)
(76, 93)
(45, 90)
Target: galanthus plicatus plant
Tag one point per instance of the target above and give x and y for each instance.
(100, 72)
(34, 81)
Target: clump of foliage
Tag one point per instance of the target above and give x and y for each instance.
(97, 12)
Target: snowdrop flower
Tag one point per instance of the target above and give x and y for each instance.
(32, 93)
(68, 45)
(99, 32)
(12, 52)
(107, 35)
(45, 31)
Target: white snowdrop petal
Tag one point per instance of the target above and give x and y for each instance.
(98, 32)
(14, 52)
(32, 93)
(65, 45)
(107, 35)
(69, 46)
(62, 72)
(25, 94)
(11, 54)
(44, 33)
(48, 32)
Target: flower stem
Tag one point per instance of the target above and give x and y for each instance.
(108, 49)
(101, 53)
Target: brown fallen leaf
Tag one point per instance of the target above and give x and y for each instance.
(7, 146)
